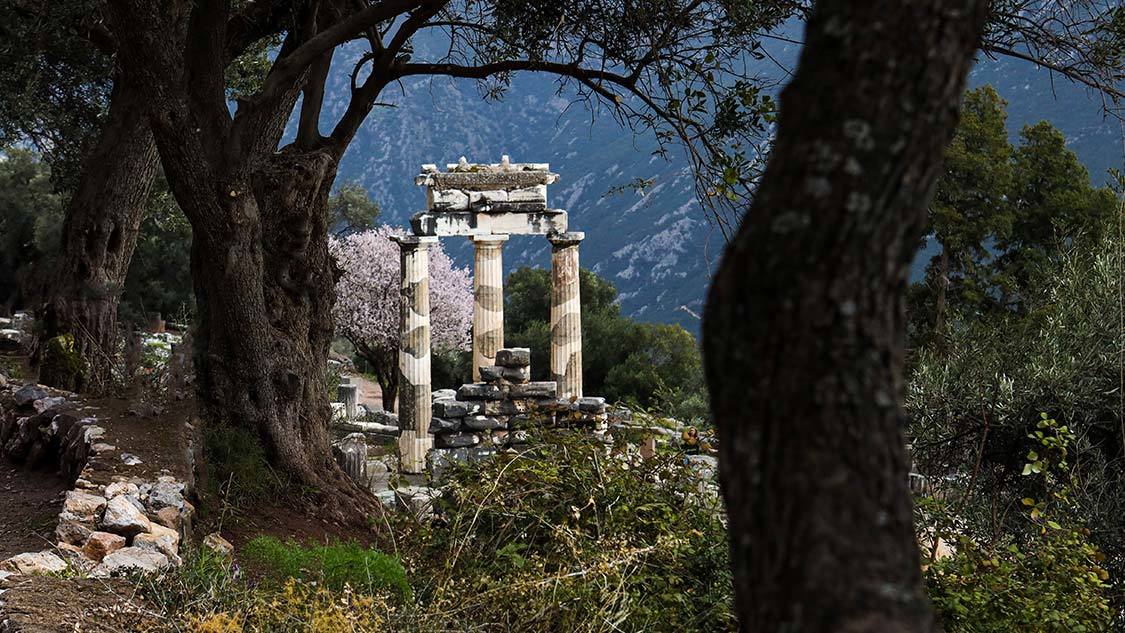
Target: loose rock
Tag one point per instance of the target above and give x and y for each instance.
(83, 504)
(123, 516)
(131, 559)
(101, 544)
(34, 563)
(216, 543)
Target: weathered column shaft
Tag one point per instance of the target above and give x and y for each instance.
(414, 405)
(566, 315)
(488, 300)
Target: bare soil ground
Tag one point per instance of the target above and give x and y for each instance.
(45, 604)
(30, 502)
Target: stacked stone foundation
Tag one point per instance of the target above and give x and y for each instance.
(495, 414)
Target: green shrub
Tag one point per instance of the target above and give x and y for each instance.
(566, 537)
(1046, 578)
(337, 565)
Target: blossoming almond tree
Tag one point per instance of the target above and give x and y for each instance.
(367, 302)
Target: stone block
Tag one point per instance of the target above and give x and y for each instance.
(479, 391)
(121, 488)
(444, 425)
(28, 394)
(30, 563)
(446, 199)
(459, 223)
(417, 500)
(131, 559)
(456, 440)
(453, 408)
(350, 454)
(444, 394)
(161, 539)
(591, 404)
(166, 495)
(484, 423)
(541, 389)
(169, 518)
(513, 357)
(496, 373)
(73, 532)
(219, 545)
(504, 407)
(481, 178)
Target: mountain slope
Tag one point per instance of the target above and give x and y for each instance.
(660, 248)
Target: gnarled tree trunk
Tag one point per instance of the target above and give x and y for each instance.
(804, 331)
(102, 223)
(265, 291)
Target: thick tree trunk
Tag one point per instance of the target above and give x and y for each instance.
(389, 387)
(804, 331)
(102, 223)
(384, 364)
(265, 291)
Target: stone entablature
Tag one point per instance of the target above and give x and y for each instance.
(503, 198)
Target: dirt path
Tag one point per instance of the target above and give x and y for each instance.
(30, 502)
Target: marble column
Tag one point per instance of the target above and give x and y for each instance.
(414, 405)
(488, 300)
(566, 314)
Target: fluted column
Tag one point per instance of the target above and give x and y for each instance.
(414, 404)
(488, 300)
(566, 314)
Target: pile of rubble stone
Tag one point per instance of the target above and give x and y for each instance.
(481, 417)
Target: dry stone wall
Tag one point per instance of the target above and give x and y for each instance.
(109, 522)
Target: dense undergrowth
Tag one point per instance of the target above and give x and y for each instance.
(565, 536)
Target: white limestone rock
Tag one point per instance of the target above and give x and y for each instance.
(125, 515)
(161, 539)
(131, 559)
(83, 504)
(30, 563)
(121, 488)
(447, 199)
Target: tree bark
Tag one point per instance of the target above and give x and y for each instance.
(102, 222)
(265, 292)
(804, 331)
(384, 364)
(264, 281)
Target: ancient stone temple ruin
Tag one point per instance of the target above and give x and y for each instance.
(488, 203)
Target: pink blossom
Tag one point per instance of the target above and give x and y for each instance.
(367, 294)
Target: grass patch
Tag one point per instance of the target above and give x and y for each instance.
(336, 565)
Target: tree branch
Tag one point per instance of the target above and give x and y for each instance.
(289, 69)
(1069, 73)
